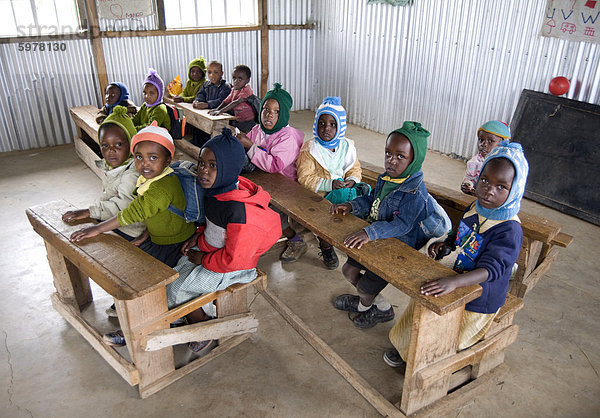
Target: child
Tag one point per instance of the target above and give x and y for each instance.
(395, 208)
(488, 238)
(489, 136)
(215, 90)
(210, 96)
(236, 100)
(116, 95)
(273, 146)
(328, 164)
(153, 108)
(119, 174)
(240, 227)
(196, 78)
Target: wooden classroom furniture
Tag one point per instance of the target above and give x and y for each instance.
(542, 238)
(137, 282)
(434, 366)
(200, 118)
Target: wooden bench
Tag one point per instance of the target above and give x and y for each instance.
(542, 238)
(434, 367)
(137, 282)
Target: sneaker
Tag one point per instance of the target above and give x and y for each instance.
(112, 311)
(201, 347)
(115, 339)
(392, 358)
(294, 251)
(330, 258)
(372, 317)
(347, 303)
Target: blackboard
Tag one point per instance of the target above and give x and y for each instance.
(561, 140)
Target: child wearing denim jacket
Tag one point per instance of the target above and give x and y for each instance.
(395, 209)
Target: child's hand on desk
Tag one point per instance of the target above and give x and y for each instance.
(178, 99)
(439, 287)
(214, 112)
(82, 234)
(74, 215)
(195, 256)
(138, 241)
(199, 105)
(345, 208)
(357, 240)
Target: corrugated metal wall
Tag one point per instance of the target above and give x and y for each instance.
(451, 65)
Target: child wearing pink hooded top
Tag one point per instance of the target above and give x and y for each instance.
(273, 146)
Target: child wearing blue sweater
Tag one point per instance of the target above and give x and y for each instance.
(488, 240)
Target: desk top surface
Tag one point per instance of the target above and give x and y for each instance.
(121, 269)
(402, 266)
(188, 107)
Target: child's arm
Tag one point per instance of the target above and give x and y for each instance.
(446, 285)
(74, 215)
(200, 100)
(123, 196)
(281, 154)
(223, 93)
(92, 231)
(353, 176)
(224, 103)
(228, 107)
(307, 168)
(405, 219)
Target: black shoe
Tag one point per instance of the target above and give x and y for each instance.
(330, 258)
(392, 358)
(372, 317)
(347, 303)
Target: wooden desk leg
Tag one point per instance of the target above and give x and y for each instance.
(152, 365)
(72, 286)
(433, 337)
(232, 303)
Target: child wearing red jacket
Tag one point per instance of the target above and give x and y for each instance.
(240, 227)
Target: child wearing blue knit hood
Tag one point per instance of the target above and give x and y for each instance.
(116, 95)
(488, 241)
(328, 164)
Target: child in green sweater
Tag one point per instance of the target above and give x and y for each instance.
(153, 107)
(196, 78)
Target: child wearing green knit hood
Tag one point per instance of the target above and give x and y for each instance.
(196, 78)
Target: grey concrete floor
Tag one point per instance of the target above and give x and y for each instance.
(48, 370)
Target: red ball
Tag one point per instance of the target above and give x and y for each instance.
(559, 85)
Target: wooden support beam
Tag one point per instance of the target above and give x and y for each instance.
(97, 48)
(209, 330)
(264, 47)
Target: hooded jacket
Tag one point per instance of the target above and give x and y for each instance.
(240, 227)
(192, 87)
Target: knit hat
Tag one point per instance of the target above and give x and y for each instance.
(417, 136)
(123, 96)
(154, 133)
(496, 127)
(198, 62)
(230, 156)
(120, 118)
(157, 82)
(514, 153)
(331, 106)
(285, 104)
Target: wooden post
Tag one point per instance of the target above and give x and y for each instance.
(264, 47)
(160, 12)
(97, 48)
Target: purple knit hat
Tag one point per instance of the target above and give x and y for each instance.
(157, 82)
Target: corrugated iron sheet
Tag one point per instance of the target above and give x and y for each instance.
(451, 65)
(289, 12)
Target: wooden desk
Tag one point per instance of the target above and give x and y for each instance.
(137, 282)
(432, 356)
(202, 120)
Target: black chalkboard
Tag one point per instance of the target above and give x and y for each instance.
(561, 140)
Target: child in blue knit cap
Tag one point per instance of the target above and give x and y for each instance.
(328, 164)
(116, 95)
(488, 241)
(489, 136)
(153, 108)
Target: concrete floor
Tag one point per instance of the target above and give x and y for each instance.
(49, 370)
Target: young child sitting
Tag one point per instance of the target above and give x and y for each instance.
(119, 174)
(116, 95)
(328, 163)
(240, 227)
(489, 136)
(236, 100)
(394, 209)
(488, 239)
(210, 96)
(273, 146)
(196, 78)
(153, 108)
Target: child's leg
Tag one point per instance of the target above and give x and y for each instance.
(373, 308)
(295, 245)
(351, 271)
(330, 258)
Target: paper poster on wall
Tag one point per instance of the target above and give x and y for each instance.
(124, 9)
(575, 20)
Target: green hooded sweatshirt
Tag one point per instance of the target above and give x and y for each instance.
(192, 88)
